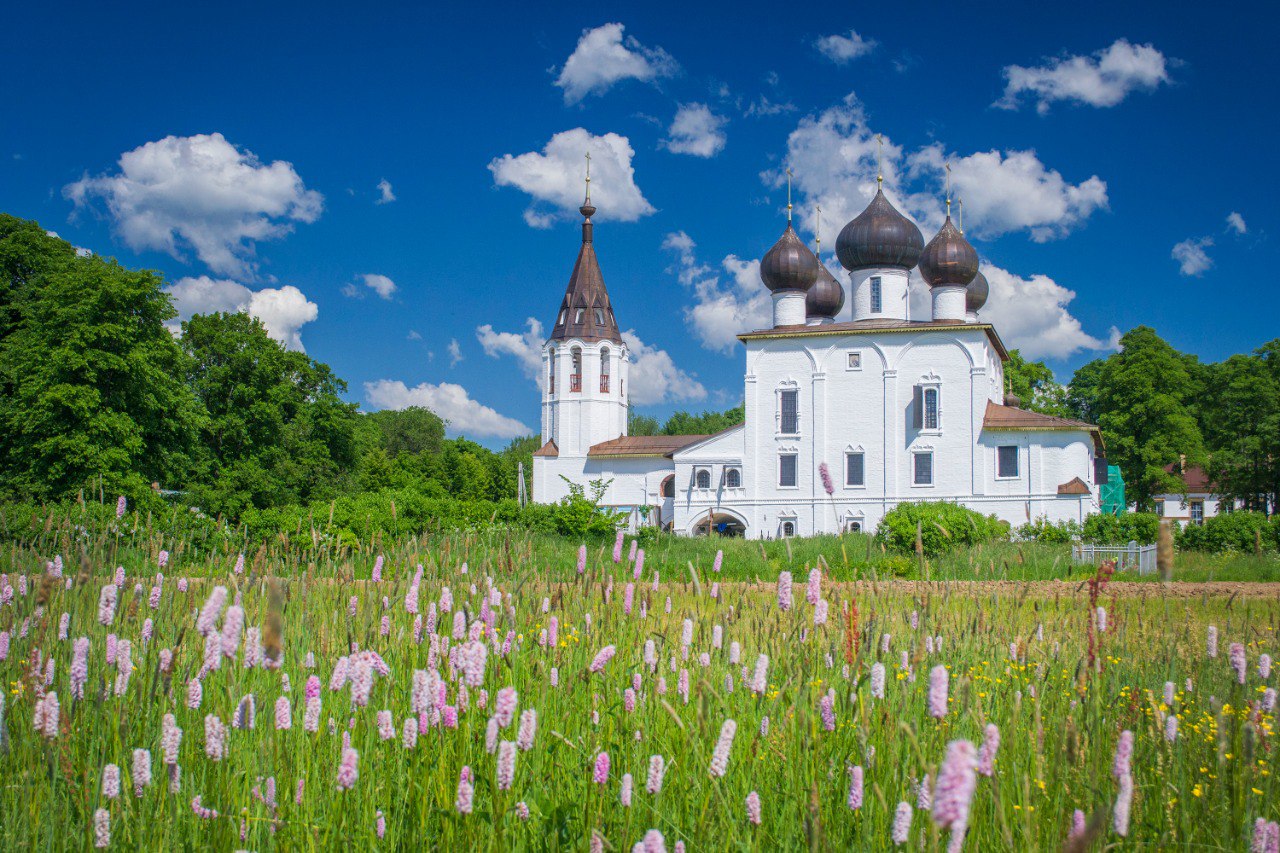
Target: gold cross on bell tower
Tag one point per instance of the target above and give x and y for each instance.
(588, 177)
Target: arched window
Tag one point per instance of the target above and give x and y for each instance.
(551, 370)
(575, 378)
(702, 479)
(788, 528)
(604, 369)
(599, 312)
(577, 316)
(668, 488)
(732, 478)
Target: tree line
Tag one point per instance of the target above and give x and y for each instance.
(98, 398)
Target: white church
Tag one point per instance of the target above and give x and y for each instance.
(849, 412)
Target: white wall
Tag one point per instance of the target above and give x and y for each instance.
(576, 420)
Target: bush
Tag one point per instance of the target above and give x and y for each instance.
(1042, 530)
(1140, 527)
(943, 526)
(1232, 532)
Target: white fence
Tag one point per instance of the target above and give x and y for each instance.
(1129, 558)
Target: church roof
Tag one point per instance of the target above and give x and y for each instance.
(644, 445)
(548, 449)
(585, 312)
(874, 325)
(1009, 418)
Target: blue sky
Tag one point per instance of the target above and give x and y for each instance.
(239, 149)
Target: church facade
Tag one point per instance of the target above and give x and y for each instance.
(848, 412)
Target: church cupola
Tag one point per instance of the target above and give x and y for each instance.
(975, 296)
(825, 299)
(949, 263)
(879, 247)
(789, 270)
(584, 361)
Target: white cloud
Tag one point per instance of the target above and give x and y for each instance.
(554, 178)
(1033, 315)
(655, 378)
(762, 107)
(463, 415)
(525, 347)
(379, 284)
(203, 193)
(455, 353)
(1236, 223)
(282, 310)
(843, 49)
(414, 335)
(385, 195)
(720, 311)
(603, 57)
(1102, 80)
(1192, 257)
(696, 130)
(1013, 191)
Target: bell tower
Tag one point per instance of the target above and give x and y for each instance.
(585, 361)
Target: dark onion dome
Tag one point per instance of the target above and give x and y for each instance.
(949, 260)
(976, 293)
(880, 236)
(789, 265)
(826, 297)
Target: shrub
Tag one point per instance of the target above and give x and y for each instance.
(1042, 530)
(1140, 527)
(942, 525)
(1229, 532)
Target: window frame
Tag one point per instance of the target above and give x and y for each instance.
(1192, 506)
(853, 360)
(781, 423)
(876, 294)
(915, 469)
(735, 471)
(577, 316)
(788, 523)
(862, 469)
(795, 470)
(1017, 462)
(699, 474)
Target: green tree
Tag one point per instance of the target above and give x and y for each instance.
(411, 430)
(684, 423)
(90, 379)
(1142, 404)
(276, 430)
(1034, 385)
(642, 424)
(1240, 418)
(1082, 391)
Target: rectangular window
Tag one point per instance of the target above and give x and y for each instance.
(930, 408)
(922, 475)
(1197, 512)
(853, 469)
(787, 470)
(789, 412)
(855, 361)
(1007, 461)
(876, 298)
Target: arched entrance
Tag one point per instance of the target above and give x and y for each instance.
(721, 522)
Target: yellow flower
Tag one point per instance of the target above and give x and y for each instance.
(1197, 791)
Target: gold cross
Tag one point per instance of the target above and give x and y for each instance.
(879, 158)
(588, 177)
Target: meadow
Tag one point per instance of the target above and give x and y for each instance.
(484, 692)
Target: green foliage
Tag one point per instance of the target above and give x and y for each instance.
(638, 424)
(1034, 385)
(275, 429)
(1042, 530)
(411, 430)
(1140, 527)
(580, 516)
(1240, 418)
(1231, 532)
(943, 526)
(91, 392)
(1141, 396)
(684, 423)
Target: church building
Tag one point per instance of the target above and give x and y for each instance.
(849, 411)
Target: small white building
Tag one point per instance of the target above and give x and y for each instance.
(846, 416)
(1198, 503)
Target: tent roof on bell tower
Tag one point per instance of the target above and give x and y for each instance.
(585, 312)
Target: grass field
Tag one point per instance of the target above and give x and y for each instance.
(399, 732)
